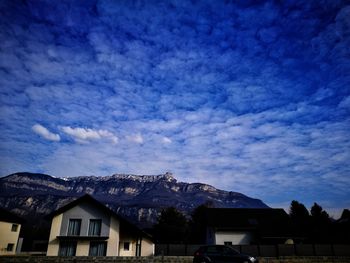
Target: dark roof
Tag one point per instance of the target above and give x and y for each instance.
(243, 217)
(7, 216)
(268, 222)
(89, 199)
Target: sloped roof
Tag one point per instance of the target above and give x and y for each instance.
(268, 222)
(89, 199)
(7, 216)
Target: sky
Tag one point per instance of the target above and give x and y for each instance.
(247, 96)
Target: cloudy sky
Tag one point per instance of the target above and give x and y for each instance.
(248, 96)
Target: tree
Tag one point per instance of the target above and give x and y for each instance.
(172, 227)
(300, 218)
(321, 225)
(319, 216)
(198, 224)
(298, 212)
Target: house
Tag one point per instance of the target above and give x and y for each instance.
(244, 226)
(10, 227)
(86, 227)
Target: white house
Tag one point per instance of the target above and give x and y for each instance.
(244, 226)
(10, 226)
(85, 227)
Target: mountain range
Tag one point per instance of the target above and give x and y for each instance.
(139, 198)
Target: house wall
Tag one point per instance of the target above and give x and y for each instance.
(85, 211)
(8, 237)
(147, 248)
(82, 248)
(52, 249)
(113, 241)
(237, 238)
(132, 247)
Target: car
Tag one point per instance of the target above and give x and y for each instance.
(221, 254)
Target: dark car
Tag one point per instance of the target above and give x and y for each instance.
(221, 254)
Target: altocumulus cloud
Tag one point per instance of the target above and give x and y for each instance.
(83, 135)
(166, 140)
(249, 96)
(136, 138)
(45, 133)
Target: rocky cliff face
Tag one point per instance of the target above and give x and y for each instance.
(139, 198)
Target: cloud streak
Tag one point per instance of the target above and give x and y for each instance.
(45, 133)
(83, 135)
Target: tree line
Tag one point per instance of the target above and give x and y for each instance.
(317, 226)
(314, 226)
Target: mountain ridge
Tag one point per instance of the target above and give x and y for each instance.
(140, 198)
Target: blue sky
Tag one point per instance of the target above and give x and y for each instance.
(248, 96)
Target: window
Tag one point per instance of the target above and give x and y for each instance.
(10, 246)
(95, 227)
(126, 246)
(67, 248)
(14, 228)
(74, 227)
(98, 249)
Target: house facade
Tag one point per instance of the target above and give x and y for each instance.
(85, 227)
(245, 226)
(10, 227)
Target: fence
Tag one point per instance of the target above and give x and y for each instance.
(263, 250)
(44, 259)
(184, 259)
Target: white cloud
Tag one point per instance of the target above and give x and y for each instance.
(83, 135)
(45, 133)
(109, 135)
(136, 138)
(166, 140)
